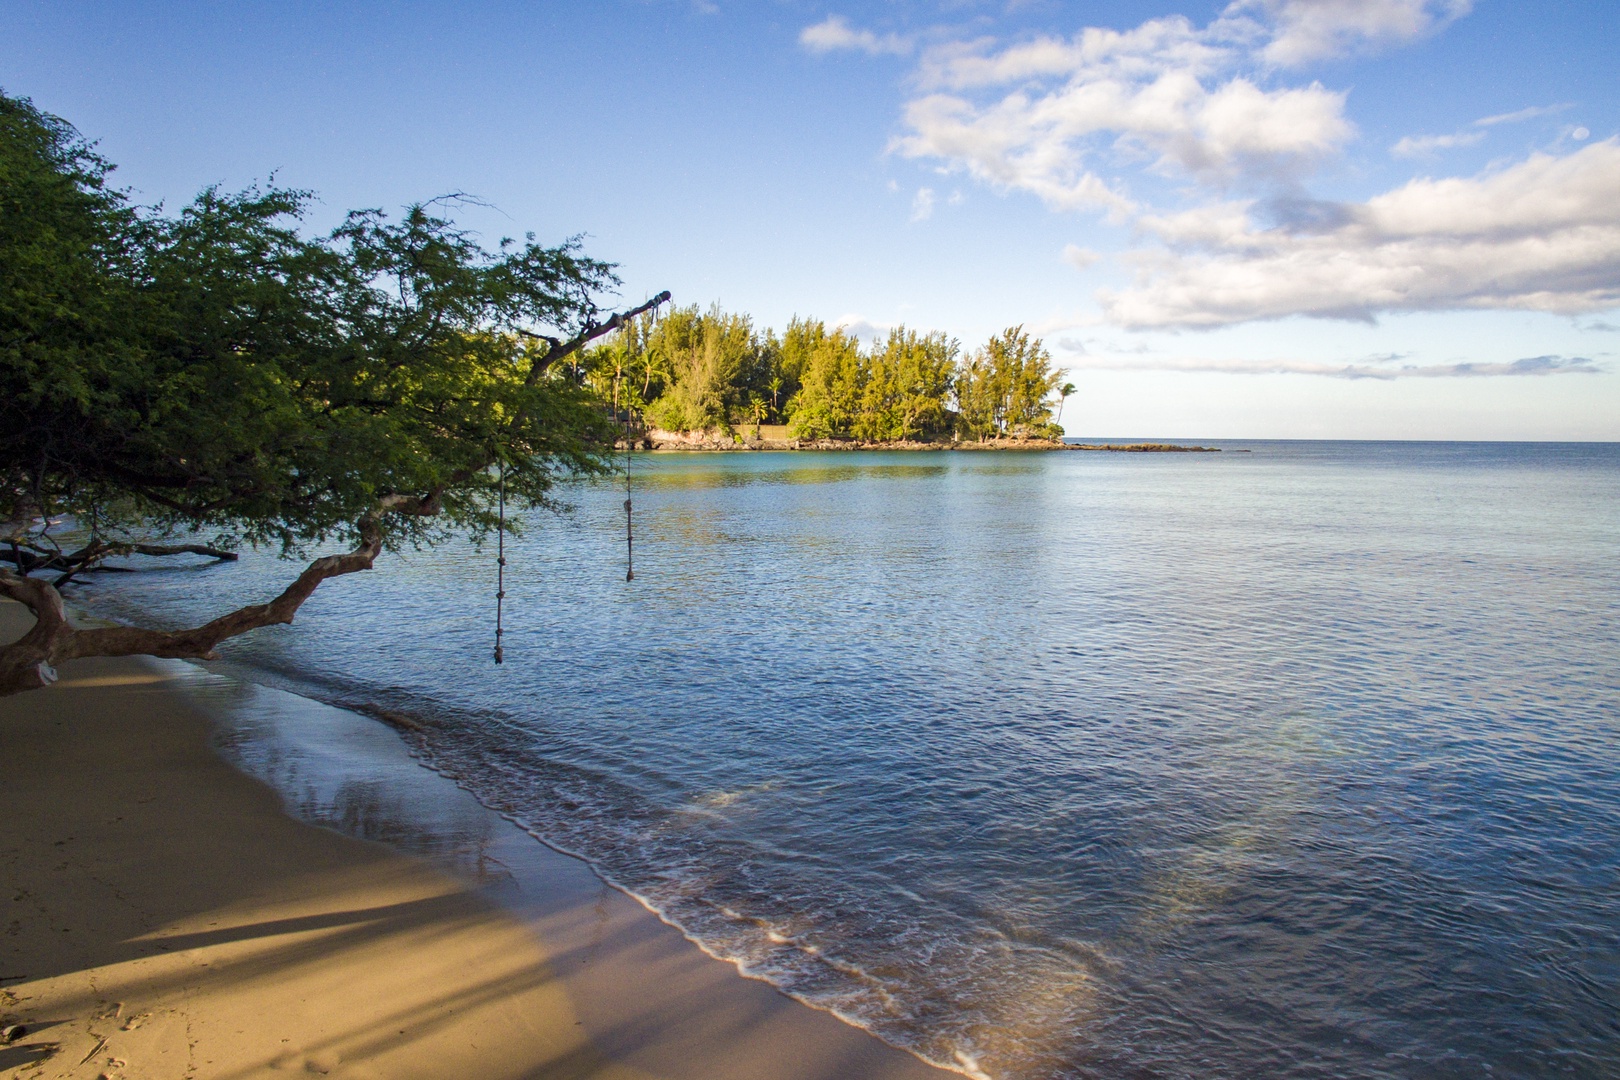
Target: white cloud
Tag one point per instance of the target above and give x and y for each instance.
(1382, 368)
(1157, 46)
(1080, 258)
(1307, 30)
(1240, 120)
(1191, 98)
(1522, 114)
(1166, 90)
(861, 328)
(1426, 145)
(834, 34)
(1413, 146)
(1008, 148)
(1054, 116)
(1543, 235)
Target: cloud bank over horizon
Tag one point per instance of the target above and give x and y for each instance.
(1386, 369)
(1542, 235)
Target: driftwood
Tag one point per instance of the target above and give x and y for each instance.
(31, 662)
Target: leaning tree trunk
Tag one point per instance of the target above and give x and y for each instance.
(31, 662)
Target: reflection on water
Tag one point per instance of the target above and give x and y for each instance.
(1303, 762)
(663, 471)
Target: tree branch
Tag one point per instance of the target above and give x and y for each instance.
(160, 550)
(558, 350)
(31, 662)
(36, 559)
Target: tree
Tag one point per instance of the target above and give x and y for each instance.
(979, 397)
(1063, 395)
(709, 355)
(829, 372)
(642, 344)
(1002, 389)
(905, 384)
(218, 373)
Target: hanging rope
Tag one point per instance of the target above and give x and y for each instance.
(629, 527)
(629, 522)
(629, 531)
(500, 563)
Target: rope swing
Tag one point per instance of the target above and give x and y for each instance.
(500, 564)
(629, 523)
(629, 530)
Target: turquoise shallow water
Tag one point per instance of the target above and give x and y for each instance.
(1298, 762)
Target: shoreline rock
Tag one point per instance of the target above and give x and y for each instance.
(657, 440)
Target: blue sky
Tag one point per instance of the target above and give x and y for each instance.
(1272, 218)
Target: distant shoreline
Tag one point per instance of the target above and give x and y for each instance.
(659, 441)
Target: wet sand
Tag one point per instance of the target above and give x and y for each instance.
(164, 916)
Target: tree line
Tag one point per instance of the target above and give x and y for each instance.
(691, 370)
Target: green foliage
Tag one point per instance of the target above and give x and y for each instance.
(220, 370)
(710, 371)
(829, 397)
(1003, 388)
(907, 386)
(692, 370)
(708, 358)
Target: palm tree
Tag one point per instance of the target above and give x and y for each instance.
(653, 366)
(1063, 395)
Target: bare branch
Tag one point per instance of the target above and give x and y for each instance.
(26, 663)
(161, 550)
(558, 350)
(36, 559)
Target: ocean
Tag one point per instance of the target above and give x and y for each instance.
(1301, 759)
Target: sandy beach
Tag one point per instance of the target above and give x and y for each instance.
(166, 917)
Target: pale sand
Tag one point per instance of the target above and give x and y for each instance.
(164, 918)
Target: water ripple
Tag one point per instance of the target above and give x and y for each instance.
(1297, 763)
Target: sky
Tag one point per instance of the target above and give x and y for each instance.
(1390, 219)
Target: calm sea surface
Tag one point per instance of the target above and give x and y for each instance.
(1301, 762)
